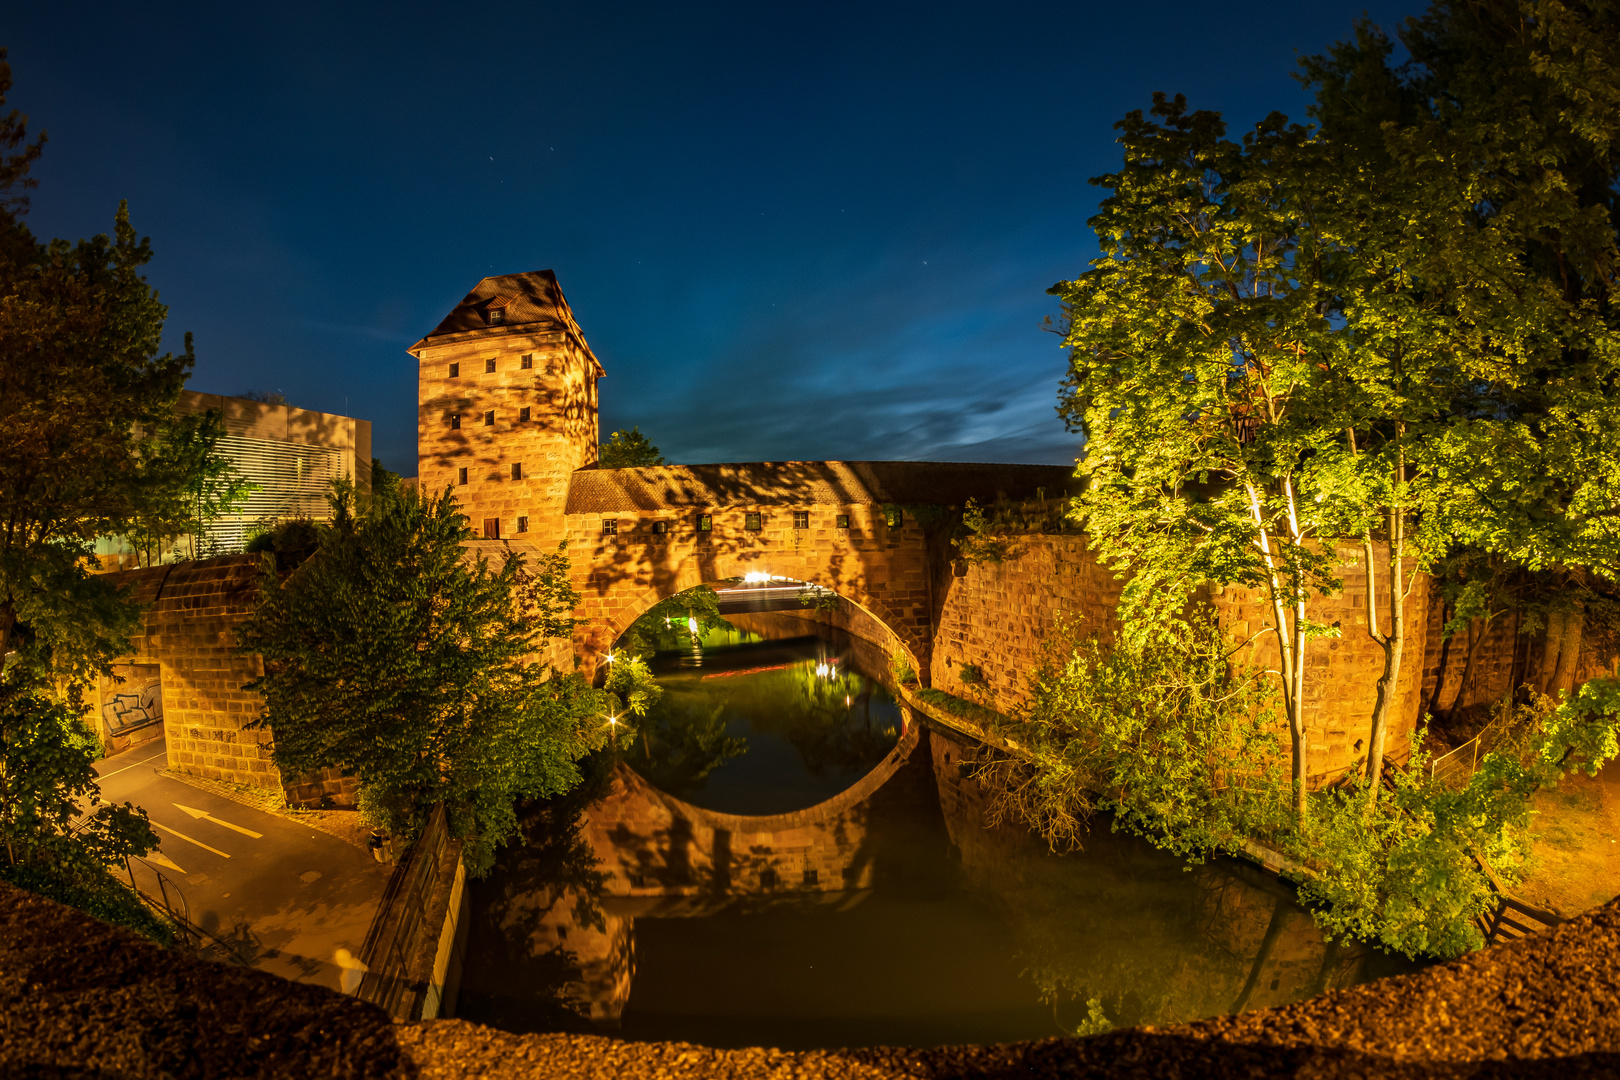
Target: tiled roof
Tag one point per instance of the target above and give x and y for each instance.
(531, 302)
(808, 483)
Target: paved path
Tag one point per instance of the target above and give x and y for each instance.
(284, 897)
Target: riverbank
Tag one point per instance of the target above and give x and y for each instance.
(77, 995)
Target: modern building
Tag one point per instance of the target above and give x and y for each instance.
(290, 455)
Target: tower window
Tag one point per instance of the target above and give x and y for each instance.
(523, 415)
(801, 519)
(843, 521)
(610, 526)
(489, 418)
(489, 366)
(523, 524)
(455, 371)
(752, 522)
(517, 471)
(660, 528)
(492, 528)
(497, 316)
(455, 422)
(894, 517)
(528, 361)
(461, 477)
(705, 523)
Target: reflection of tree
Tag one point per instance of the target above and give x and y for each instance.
(1152, 941)
(549, 875)
(683, 741)
(838, 722)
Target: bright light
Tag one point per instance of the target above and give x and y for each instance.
(691, 623)
(610, 658)
(613, 721)
(823, 670)
(756, 576)
(847, 702)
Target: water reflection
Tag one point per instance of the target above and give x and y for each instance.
(961, 933)
(765, 728)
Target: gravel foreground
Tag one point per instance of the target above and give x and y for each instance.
(79, 998)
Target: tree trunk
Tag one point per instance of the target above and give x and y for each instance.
(1439, 690)
(1569, 651)
(1394, 644)
(1478, 630)
(1547, 670)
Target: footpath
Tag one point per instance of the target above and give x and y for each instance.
(274, 890)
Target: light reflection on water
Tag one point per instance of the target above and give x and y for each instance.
(967, 934)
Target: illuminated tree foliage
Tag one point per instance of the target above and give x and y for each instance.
(628, 449)
(1392, 327)
(392, 654)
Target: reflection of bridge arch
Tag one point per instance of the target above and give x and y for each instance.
(656, 845)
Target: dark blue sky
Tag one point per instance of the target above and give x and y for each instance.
(812, 232)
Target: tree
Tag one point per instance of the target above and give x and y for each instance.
(1498, 149)
(628, 450)
(1197, 342)
(81, 385)
(392, 654)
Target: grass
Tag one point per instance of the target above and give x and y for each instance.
(959, 707)
(96, 893)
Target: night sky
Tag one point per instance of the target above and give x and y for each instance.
(789, 232)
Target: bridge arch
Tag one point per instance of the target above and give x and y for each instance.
(888, 591)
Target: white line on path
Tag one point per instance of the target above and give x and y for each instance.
(183, 836)
(206, 816)
(137, 765)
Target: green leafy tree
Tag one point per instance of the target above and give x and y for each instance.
(394, 655)
(685, 617)
(82, 387)
(629, 449)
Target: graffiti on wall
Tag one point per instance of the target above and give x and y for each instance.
(135, 702)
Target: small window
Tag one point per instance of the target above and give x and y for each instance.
(517, 471)
(489, 366)
(523, 415)
(660, 528)
(894, 517)
(812, 877)
(455, 423)
(767, 878)
(492, 528)
(489, 418)
(455, 371)
(461, 476)
(610, 526)
(705, 523)
(527, 362)
(801, 519)
(751, 522)
(523, 524)
(497, 316)
(843, 521)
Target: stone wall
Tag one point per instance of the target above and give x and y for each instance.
(558, 390)
(188, 630)
(998, 617)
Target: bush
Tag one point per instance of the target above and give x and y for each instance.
(900, 667)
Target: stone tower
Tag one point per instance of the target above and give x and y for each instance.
(506, 406)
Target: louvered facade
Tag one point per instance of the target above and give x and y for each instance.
(292, 455)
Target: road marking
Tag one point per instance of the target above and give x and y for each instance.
(183, 836)
(206, 816)
(137, 765)
(162, 860)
